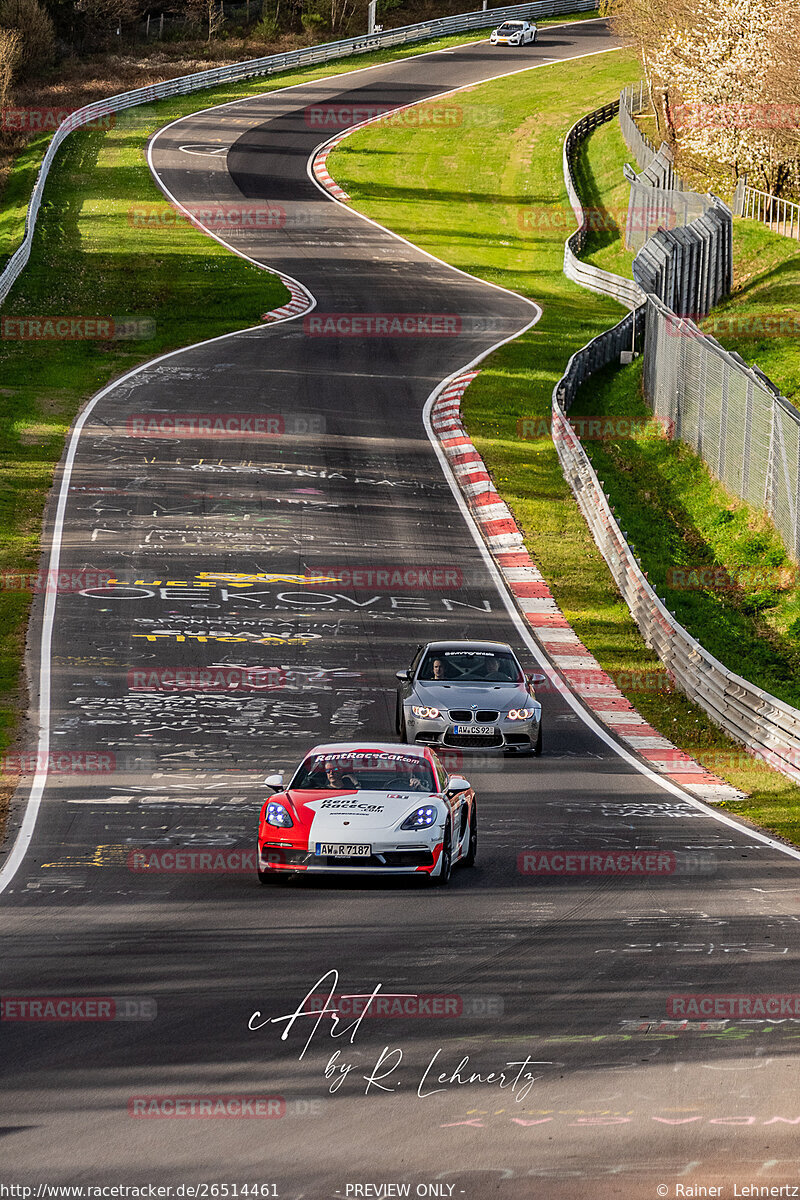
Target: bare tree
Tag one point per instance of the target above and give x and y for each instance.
(210, 13)
(106, 19)
(723, 79)
(10, 50)
(341, 13)
(36, 37)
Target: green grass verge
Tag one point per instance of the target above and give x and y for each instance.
(604, 192)
(16, 192)
(493, 204)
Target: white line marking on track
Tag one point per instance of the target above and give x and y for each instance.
(27, 827)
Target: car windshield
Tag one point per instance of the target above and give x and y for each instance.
(510, 28)
(470, 666)
(367, 770)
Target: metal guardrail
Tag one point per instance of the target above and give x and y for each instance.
(751, 716)
(782, 216)
(254, 67)
(594, 278)
(766, 725)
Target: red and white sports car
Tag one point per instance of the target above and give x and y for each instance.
(368, 807)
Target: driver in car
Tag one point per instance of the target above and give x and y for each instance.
(337, 778)
(497, 672)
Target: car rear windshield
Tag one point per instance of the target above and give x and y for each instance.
(378, 772)
(470, 666)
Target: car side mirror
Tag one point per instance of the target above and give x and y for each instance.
(456, 784)
(535, 677)
(275, 782)
(402, 676)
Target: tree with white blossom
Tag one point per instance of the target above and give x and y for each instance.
(723, 78)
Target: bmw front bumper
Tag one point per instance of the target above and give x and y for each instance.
(507, 737)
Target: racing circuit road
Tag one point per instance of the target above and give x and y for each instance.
(571, 974)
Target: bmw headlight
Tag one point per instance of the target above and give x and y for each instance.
(421, 710)
(521, 714)
(423, 818)
(278, 815)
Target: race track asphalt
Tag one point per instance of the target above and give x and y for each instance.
(571, 974)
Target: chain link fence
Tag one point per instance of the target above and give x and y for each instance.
(729, 413)
(633, 100)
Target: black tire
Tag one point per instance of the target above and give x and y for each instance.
(446, 859)
(472, 846)
(537, 749)
(271, 878)
(402, 732)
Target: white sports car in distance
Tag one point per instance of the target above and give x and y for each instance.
(513, 33)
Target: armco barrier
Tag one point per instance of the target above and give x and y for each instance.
(597, 280)
(254, 67)
(766, 725)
